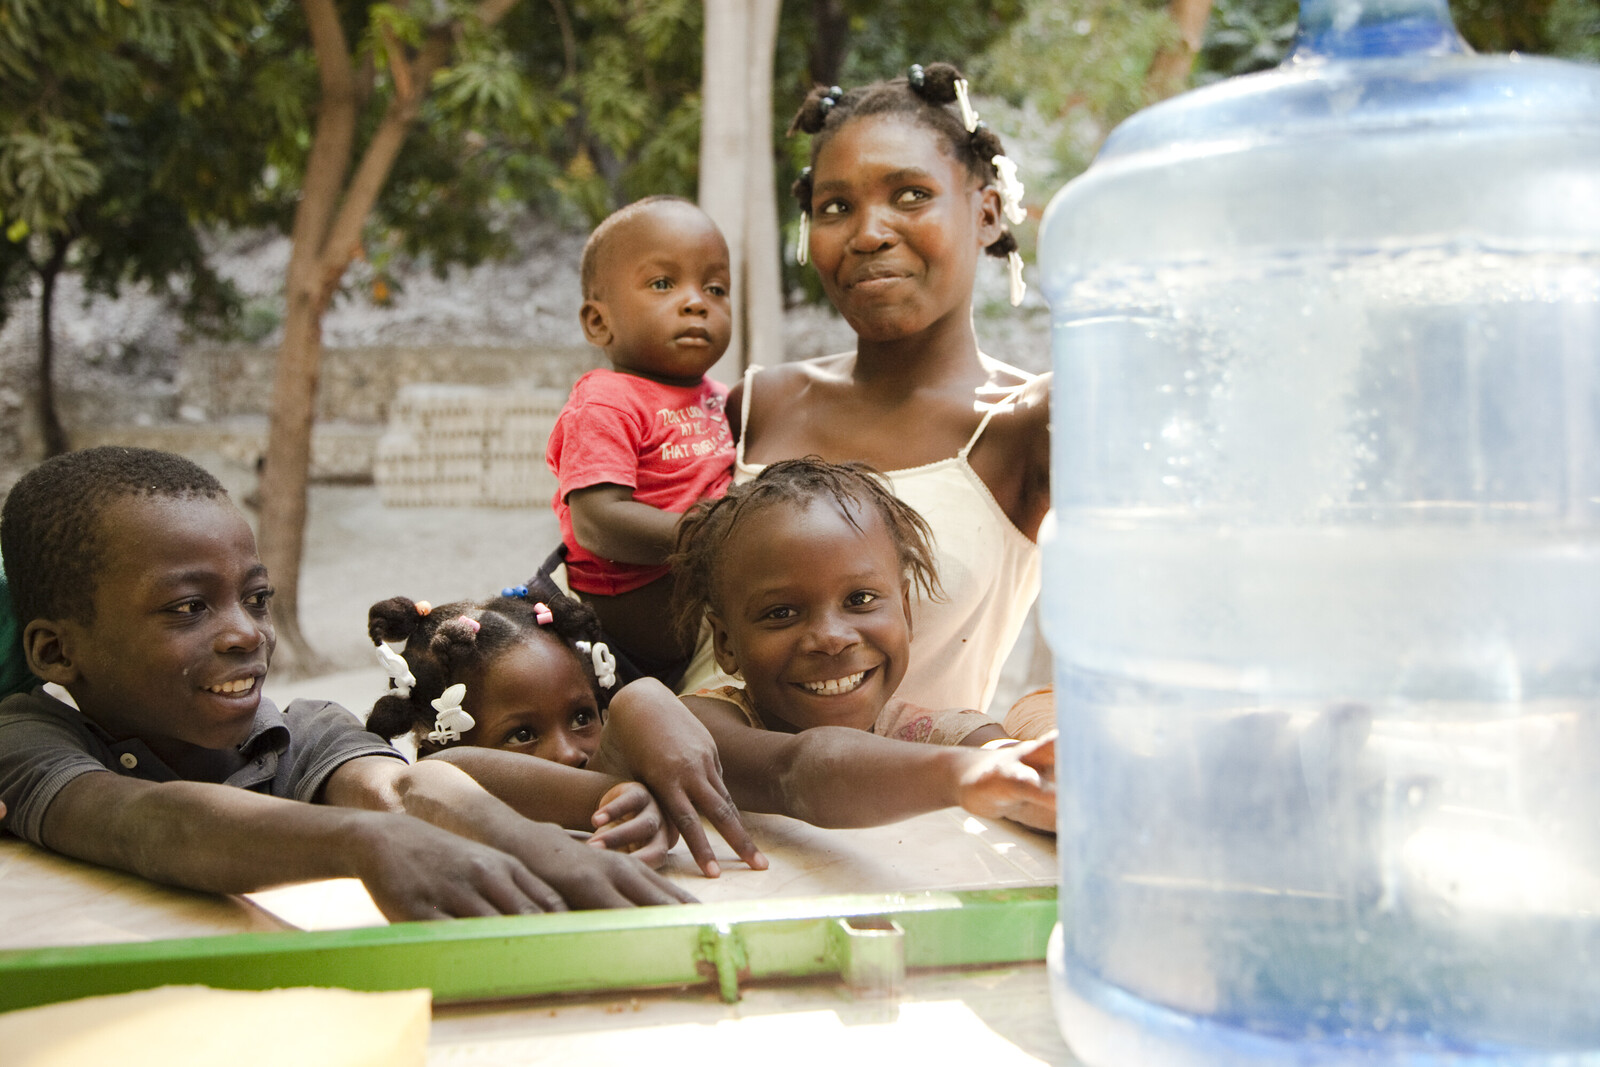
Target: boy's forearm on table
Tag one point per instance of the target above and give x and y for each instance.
(204, 836)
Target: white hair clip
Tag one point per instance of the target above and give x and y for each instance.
(400, 676)
(1010, 189)
(969, 117)
(605, 664)
(802, 252)
(452, 720)
(1019, 288)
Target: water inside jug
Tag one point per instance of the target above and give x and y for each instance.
(1323, 578)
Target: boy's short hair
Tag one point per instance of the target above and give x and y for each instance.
(49, 529)
(589, 265)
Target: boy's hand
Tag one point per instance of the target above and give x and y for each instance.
(628, 820)
(590, 877)
(1017, 783)
(417, 871)
(443, 796)
(652, 737)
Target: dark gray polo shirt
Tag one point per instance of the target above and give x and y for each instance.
(45, 743)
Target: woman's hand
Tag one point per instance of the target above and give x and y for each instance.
(628, 820)
(651, 737)
(1017, 782)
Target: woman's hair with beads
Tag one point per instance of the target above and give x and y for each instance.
(924, 95)
(445, 644)
(704, 532)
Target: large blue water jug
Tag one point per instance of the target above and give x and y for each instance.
(1323, 584)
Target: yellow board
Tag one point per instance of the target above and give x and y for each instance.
(177, 1026)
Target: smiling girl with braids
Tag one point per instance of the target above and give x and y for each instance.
(905, 190)
(487, 684)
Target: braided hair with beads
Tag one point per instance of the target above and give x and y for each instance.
(444, 644)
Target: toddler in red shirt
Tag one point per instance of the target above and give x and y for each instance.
(638, 443)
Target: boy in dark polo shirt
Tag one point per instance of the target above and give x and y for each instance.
(140, 593)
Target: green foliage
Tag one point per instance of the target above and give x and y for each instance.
(110, 113)
(1244, 36)
(1082, 64)
(1573, 29)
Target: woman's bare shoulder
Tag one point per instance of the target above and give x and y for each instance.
(790, 383)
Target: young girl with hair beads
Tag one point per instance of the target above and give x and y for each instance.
(486, 684)
(905, 190)
(805, 576)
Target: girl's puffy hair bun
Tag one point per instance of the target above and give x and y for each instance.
(394, 619)
(937, 84)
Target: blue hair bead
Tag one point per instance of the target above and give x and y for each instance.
(517, 592)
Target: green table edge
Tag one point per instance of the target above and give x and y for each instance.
(721, 945)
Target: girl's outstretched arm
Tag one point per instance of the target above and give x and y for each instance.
(535, 788)
(839, 777)
(649, 735)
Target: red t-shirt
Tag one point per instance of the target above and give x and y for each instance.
(670, 444)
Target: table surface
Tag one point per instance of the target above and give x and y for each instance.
(995, 1015)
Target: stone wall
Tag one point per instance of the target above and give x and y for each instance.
(218, 400)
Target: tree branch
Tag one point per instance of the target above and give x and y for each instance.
(332, 143)
(344, 236)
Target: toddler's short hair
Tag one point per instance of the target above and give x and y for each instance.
(594, 248)
(707, 527)
(50, 531)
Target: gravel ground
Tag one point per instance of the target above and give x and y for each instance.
(358, 552)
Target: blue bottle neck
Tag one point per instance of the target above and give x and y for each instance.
(1369, 29)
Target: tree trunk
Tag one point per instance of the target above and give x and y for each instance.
(326, 237)
(737, 183)
(1169, 70)
(724, 145)
(829, 40)
(763, 274)
(55, 438)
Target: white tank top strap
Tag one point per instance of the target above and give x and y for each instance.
(744, 412)
(1005, 401)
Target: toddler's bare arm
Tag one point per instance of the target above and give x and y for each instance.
(608, 522)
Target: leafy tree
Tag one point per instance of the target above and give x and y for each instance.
(1084, 64)
(102, 174)
(383, 71)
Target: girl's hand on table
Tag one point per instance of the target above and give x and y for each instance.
(651, 737)
(628, 820)
(1017, 783)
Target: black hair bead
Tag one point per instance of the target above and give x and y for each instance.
(916, 76)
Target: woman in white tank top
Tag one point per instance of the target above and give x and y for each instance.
(901, 199)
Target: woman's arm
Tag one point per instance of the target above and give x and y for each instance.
(839, 777)
(1013, 457)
